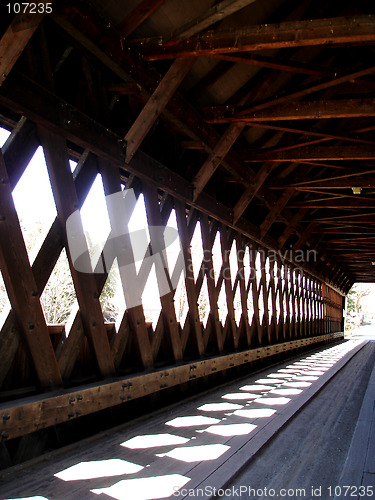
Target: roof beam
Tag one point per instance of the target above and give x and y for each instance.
(275, 212)
(216, 13)
(271, 63)
(294, 110)
(155, 105)
(310, 133)
(15, 39)
(337, 203)
(289, 230)
(219, 152)
(312, 153)
(338, 30)
(136, 17)
(252, 190)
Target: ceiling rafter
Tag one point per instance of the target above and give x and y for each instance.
(295, 110)
(338, 30)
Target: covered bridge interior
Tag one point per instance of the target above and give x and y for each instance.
(222, 156)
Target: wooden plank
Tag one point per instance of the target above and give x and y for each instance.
(294, 110)
(251, 190)
(155, 105)
(66, 405)
(274, 213)
(16, 37)
(137, 16)
(128, 274)
(192, 298)
(305, 33)
(22, 290)
(215, 158)
(84, 283)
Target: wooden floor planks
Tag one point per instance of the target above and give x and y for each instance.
(39, 478)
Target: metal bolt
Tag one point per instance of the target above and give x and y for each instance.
(6, 416)
(4, 435)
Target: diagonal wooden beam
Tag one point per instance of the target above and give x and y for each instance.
(216, 157)
(216, 13)
(338, 30)
(22, 289)
(274, 213)
(136, 17)
(251, 190)
(155, 105)
(17, 36)
(298, 217)
(66, 199)
(294, 110)
(352, 152)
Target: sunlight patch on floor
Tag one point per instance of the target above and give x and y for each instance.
(255, 413)
(98, 468)
(220, 407)
(192, 421)
(239, 395)
(197, 453)
(230, 429)
(147, 488)
(153, 440)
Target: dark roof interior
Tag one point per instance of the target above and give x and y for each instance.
(267, 106)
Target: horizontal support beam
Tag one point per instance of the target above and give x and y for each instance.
(338, 30)
(313, 153)
(36, 413)
(294, 110)
(339, 203)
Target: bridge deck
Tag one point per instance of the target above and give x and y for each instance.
(303, 424)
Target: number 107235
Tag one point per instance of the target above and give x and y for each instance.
(29, 8)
